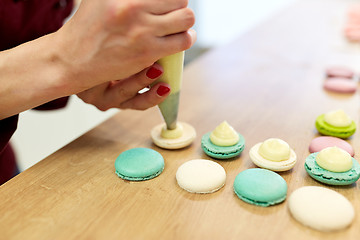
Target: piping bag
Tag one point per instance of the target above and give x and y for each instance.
(173, 71)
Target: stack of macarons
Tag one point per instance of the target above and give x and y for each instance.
(352, 26)
(340, 79)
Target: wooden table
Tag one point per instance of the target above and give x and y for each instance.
(267, 83)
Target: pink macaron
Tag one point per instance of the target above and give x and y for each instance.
(319, 143)
(339, 72)
(340, 85)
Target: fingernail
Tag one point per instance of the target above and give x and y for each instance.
(153, 73)
(162, 90)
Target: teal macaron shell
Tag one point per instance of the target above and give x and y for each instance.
(328, 177)
(260, 187)
(220, 152)
(138, 164)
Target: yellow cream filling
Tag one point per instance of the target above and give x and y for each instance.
(337, 118)
(172, 134)
(224, 135)
(334, 159)
(275, 149)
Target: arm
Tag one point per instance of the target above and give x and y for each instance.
(30, 75)
(104, 41)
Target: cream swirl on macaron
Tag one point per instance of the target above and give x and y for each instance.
(275, 149)
(173, 133)
(337, 118)
(334, 159)
(224, 135)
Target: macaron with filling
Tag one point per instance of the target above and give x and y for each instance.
(139, 164)
(333, 166)
(260, 187)
(273, 154)
(182, 136)
(335, 123)
(223, 142)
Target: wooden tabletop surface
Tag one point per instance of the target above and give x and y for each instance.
(267, 83)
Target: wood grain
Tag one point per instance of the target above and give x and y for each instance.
(267, 83)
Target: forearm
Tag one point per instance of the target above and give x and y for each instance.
(30, 75)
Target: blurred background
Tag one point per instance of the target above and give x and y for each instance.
(40, 133)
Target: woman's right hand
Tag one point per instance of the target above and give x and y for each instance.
(107, 40)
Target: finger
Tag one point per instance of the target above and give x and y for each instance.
(174, 22)
(159, 7)
(128, 88)
(178, 42)
(111, 94)
(153, 97)
(94, 95)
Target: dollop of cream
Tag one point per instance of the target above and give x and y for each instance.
(172, 134)
(337, 118)
(224, 135)
(275, 149)
(334, 159)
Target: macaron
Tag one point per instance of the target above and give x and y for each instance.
(139, 164)
(353, 35)
(223, 142)
(182, 136)
(201, 176)
(340, 85)
(321, 208)
(333, 166)
(273, 154)
(335, 123)
(319, 143)
(260, 187)
(339, 72)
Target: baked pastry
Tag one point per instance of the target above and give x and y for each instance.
(321, 208)
(201, 176)
(335, 123)
(223, 142)
(273, 154)
(333, 166)
(182, 136)
(139, 164)
(260, 187)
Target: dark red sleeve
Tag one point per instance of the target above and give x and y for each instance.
(22, 21)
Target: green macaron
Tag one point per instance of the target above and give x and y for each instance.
(139, 164)
(331, 178)
(260, 187)
(220, 152)
(326, 129)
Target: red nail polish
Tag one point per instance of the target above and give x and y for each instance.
(153, 73)
(162, 90)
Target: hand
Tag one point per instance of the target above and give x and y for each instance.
(124, 93)
(115, 39)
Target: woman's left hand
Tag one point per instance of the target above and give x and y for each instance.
(125, 94)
